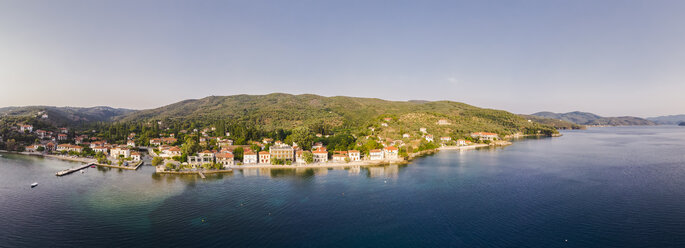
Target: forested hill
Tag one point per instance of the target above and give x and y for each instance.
(285, 111)
(61, 116)
(584, 118)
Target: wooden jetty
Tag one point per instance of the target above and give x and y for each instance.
(72, 170)
(201, 174)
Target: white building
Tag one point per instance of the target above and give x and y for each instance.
(429, 138)
(390, 152)
(320, 155)
(28, 128)
(119, 151)
(484, 136)
(135, 156)
(249, 157)
(354, 155)
(376, 154)
(339, 158)
(225, 159)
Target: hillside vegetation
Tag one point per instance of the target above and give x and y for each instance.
(61, 116)
(328, 114)
(556, 123)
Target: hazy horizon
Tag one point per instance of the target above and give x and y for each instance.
(611, 58)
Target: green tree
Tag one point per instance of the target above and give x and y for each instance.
(190, 147)
(308, 157)
(238, 153)
(157, 161)
(302, 136)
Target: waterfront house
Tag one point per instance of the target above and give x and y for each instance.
(135, 156)
(63, 147)
(461, 142)
(485, 136)
(339, 157)
(101, 149)
(282, 151)
(117, 152)
(50, 146)
(34, 148)
(207, 156)
(225, 159)
(429, 138)
(390, 152)
(445, 139)
(249, 157)
(69, 148)
(354, 155)
(264, 157)
(320, 155)
(376, 154)
(298, 156)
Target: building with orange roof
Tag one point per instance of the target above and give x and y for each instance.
(264, 157)
(484, 136)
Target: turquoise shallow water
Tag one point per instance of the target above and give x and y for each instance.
(602, 187)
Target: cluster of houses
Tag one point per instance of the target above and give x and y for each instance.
(51, 141)
(278, 151)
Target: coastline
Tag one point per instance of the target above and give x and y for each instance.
(60, 157)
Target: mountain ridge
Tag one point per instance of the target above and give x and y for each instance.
(586, 118)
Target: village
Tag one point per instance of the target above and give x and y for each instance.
(166, 153)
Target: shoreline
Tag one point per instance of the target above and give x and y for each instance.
(330, 164)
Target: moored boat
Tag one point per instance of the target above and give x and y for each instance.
(34, 185)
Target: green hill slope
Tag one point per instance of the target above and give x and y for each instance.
(285, 111)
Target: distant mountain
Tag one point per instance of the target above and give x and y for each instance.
(63, 116)
(584, 118)
(668, 120)
(556, 123)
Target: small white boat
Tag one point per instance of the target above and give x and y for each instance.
(34, 185)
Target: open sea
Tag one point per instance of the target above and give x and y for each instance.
(601, 187)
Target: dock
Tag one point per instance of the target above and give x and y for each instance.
(72, 170)
(201, 174)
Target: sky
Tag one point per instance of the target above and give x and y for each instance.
(612, 58)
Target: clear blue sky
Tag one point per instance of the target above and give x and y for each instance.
(608, 57)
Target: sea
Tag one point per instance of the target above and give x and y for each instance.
(600, 187)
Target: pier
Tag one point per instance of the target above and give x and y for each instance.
(201, 174)
(72, 170)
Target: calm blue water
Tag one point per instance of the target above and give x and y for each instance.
(603, 187)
